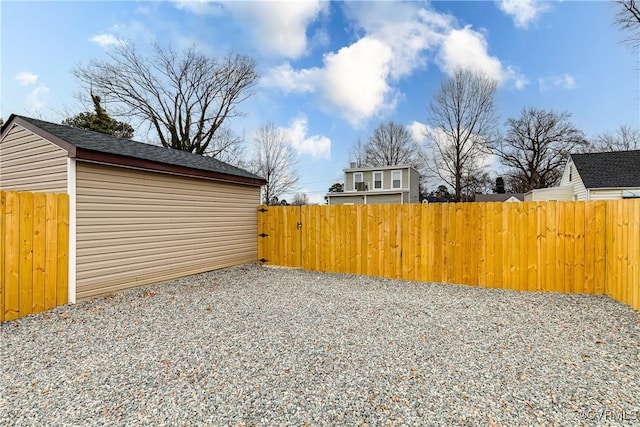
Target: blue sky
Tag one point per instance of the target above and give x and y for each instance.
(332, 72)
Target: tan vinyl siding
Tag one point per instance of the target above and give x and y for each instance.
(137, 227)
(30, 163)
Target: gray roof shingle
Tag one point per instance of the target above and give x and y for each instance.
(498, 197)
(103, 143)
(616, 169)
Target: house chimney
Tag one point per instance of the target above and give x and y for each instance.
(353, 165)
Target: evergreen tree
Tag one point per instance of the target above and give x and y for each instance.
(99, 121)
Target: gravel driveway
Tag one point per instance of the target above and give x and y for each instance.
(264, 346)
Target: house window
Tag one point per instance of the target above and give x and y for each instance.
(396, 179)
(377, 180)
(358, 181)
(570, 172)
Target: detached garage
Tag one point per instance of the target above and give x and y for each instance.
(139, 213)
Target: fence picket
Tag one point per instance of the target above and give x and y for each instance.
(3, 235)
(25, 278)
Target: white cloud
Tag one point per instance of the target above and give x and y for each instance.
(523, 12)
(317, 146)
(519, 80)
(359, 81)
(418, 132)
(278, 27)
(34, 99)
(290, 80)
(106, 40)
(353, 80)
(356, 81)
(25, 78)
(408, 31)
(564, 81)
(468, 49)
(200, 7)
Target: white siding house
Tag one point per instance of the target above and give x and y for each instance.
(596, 176)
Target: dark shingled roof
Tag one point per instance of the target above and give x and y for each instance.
(616, 169)
(108, 144)
(498, 197)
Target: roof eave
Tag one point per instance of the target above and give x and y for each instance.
(379, 168)
(118, 160)
(614, 188)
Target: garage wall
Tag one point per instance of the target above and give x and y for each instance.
(30, 163)
(136, 227)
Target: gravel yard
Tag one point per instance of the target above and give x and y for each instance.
(265, 346)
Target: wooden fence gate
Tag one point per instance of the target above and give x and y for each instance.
(34, 251)
(280, 235)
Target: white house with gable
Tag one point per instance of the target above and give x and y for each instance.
(596, 176)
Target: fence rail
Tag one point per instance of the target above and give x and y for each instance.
(34, 251)
(573, 247)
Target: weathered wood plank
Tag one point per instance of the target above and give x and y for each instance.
(12, 256)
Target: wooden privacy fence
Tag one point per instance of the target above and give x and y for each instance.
(573, 247)
(34, 252)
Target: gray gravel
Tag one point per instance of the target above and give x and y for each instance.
(262, 346)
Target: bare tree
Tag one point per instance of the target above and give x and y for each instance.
(356, 154)
(536, 147)
(228, 147)
(462, 121)
(391, 144)
(622, 139)
(628, 19)
(300, 199)
(185, 97)
(274, 160)
(479, 183)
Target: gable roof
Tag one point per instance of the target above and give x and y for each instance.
(88, 145)
(616, 169)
